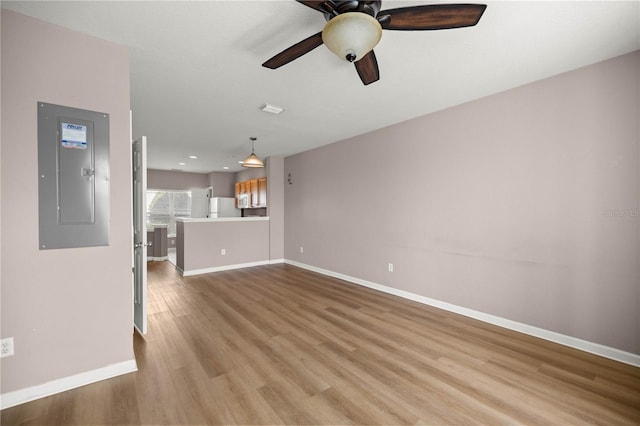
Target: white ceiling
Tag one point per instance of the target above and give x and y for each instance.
(197, 82)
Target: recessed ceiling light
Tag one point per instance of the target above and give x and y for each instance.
(182, 164)
(193, 157)
(273, 109)
(226, 168)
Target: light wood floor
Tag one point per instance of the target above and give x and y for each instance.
(280, 345)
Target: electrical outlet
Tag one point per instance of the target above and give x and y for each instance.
(223, 252)
(6, 347)
(301, 249)
(390, 267)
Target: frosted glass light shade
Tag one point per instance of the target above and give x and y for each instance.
(352, 35)
(252, 161)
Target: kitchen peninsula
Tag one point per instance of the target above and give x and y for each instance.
(206, 245)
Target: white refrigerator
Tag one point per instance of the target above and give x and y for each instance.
(223, 207)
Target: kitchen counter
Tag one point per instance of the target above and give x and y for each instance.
(221, 219)
(206, 245)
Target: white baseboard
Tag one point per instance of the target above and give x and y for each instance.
(11, 399)
(275, 261)
(221, 268)
(573, 342)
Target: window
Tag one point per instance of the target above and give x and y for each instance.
(163, 207)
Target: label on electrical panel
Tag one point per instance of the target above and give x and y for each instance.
(74, 136)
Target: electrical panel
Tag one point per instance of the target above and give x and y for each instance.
(73, 177)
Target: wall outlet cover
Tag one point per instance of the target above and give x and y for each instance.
(6, 347)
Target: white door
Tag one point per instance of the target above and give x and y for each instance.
(139, 161)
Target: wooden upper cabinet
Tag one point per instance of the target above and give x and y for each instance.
(253, 190)
(237, 193)
(257, 190)
(262, 192)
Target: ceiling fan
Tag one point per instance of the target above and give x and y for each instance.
(354, 28)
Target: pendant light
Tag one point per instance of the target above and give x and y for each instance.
(252, 160)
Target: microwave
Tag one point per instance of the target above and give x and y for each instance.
(243, 201)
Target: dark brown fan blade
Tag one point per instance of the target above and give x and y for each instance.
(367, 68)
(317, 5)
(294, 52)
(432, 17)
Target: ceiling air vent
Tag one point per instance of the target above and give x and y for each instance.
(273, 109)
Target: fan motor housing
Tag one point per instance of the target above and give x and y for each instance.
(369, 7)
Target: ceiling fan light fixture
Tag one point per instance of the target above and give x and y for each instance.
(352, 35)
(252, 160)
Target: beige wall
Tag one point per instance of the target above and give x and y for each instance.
(523, 205)
(70, 310)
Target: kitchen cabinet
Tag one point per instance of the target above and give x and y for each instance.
(257, 190)
(158, 243)
(253, 191)
(238, 191)
(262, 192)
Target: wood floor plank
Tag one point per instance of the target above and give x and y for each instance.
(250, 408)
(280, 345)
(362, 387)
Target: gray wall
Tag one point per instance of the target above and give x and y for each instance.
(223, 184)
(275, 209)
(199, 244)
(70, 310)
(523, 205)
(174, 180)
(249, 173)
